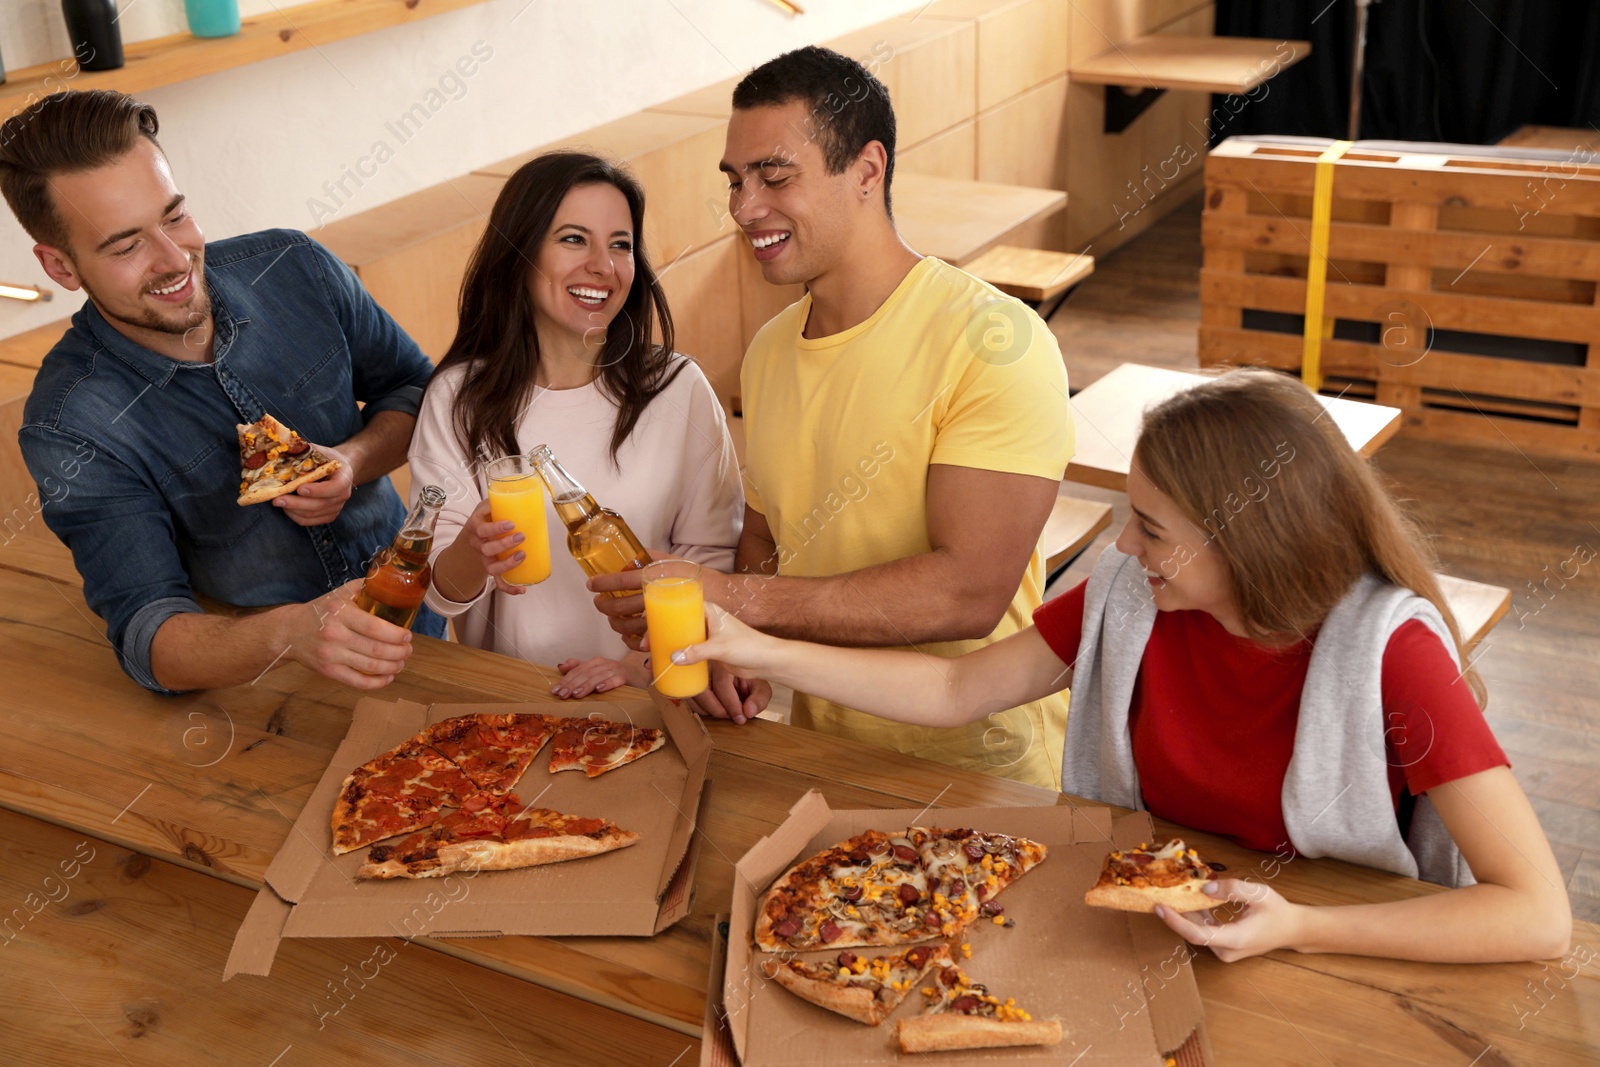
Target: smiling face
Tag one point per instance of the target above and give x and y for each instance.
(132, 245)
(1185, 568)
(584, 268)
(796, 216)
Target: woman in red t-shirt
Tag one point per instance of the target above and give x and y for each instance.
(1256, 533)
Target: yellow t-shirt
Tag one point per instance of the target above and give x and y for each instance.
(840, 432)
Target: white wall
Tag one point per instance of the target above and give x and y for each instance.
(253, 147)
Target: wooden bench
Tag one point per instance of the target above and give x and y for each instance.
(1037, 275)
(1072, 526)
(1464, 282)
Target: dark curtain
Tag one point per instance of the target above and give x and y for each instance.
(1463, 71)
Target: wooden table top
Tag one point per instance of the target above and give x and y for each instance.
(212, 782)
(1106, 417)
(957, 219)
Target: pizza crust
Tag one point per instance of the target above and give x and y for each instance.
(938, 1033)
(853, 1002)
(499, 855)
(258, 494)
(1186, 897)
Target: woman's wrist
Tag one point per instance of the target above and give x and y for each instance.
(457, 575)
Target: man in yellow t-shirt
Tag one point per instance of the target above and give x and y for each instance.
(907, 425)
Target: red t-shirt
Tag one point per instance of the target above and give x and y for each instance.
(1213, 718)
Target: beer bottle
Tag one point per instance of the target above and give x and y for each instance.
(597, 537)
(397, 577)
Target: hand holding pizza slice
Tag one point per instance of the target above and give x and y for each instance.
(275, 460)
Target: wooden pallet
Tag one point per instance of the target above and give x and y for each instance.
(1463, 286)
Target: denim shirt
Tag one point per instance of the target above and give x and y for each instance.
(137, 457)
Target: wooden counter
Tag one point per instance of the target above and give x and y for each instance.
(212, 781)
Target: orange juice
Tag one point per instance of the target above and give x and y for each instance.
(519, 499)
(675, 617)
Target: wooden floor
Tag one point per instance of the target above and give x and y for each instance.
(1524, 522)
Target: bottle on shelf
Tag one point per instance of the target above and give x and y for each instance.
(212, 18)
(597, 537)
(92, 28)
(398, 576)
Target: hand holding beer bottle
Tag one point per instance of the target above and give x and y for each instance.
(597, 537)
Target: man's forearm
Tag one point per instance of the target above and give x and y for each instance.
(906, 601)
(380, 446)
(196, 651)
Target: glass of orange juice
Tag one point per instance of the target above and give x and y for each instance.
(516, 495)
(675, 617)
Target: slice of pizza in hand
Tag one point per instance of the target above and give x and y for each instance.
(275, 460)
(492, 750)
(868, 890)
(866, 990)
(398, 792)
(596, 746)
(1137, 879)
(963, 1014)
(966, 869)
(492, 833)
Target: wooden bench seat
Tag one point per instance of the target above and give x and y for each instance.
(89, 939)
(1073, 524)
(1037, 275)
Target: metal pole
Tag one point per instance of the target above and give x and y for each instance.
(1358, 68)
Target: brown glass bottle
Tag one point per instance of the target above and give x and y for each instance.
(597, 537)
(397, 577)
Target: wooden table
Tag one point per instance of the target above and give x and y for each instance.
(957, 219)
(1106, 417)
(211, 782)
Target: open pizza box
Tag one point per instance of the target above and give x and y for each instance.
(1121, 983)
(638, 891)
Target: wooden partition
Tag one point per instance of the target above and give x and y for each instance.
(1465, 288)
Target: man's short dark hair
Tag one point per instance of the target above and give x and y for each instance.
(846, 106)
(64, 133)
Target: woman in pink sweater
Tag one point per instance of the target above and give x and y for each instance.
(557, 346)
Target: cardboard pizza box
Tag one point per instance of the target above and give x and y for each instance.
(1121, 983)
(639, 890)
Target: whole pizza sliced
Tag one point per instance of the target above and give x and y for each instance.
(963, 1014)
(596, 746)
(878, 889)
(966, 869)
(275, 460)
(1137, 879)
(492, 750)
(866, 990)
(492, 833)
(398, 792)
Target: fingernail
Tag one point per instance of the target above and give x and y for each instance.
(520, 556)
(1161, 910)
(559, 692)
(1211, 887)
(679, 657)
(518, 539)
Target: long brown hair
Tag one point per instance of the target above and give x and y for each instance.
(64, 133)
(496, 343)
(1251, 458)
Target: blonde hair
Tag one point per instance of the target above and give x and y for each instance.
(1252, 458)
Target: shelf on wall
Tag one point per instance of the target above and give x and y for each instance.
(1198, 64)
(180, 57)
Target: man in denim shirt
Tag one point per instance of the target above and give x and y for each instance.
(129, 430)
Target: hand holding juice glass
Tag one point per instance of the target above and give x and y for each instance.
(516, 495)
(675, 617)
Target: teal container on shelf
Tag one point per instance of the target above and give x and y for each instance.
(212, 18)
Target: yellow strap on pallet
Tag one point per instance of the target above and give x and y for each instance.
(1317, 326)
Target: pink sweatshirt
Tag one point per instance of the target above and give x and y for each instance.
(678, 488)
